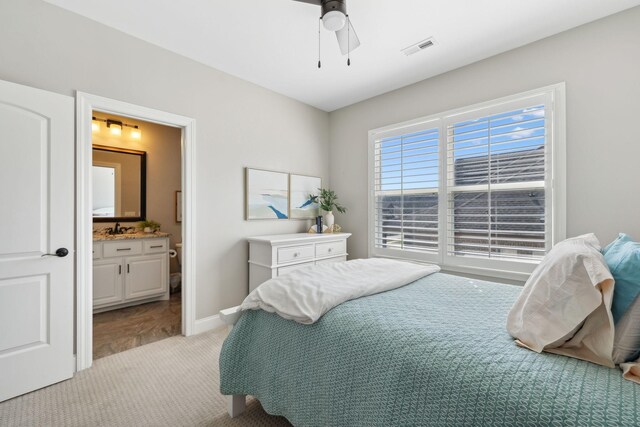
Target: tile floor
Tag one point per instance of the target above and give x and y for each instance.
(119, 330)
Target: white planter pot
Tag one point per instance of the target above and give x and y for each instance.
(328, 219)
(148, 230)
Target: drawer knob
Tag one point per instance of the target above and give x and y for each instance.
(330, 249)
(295, 254)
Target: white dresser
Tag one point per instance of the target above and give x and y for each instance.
(129, 271)
(274, 255)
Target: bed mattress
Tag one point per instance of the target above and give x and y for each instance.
(434, 352)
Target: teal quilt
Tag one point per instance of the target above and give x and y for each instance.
(432, 353)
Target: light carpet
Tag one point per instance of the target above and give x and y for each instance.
(173, 382)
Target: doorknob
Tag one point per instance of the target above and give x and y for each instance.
(61, 252)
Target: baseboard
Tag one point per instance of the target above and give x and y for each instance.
(207, 324)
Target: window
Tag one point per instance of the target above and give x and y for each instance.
(406, 196)
(473, 189)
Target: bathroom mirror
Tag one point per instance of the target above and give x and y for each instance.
(119, 184)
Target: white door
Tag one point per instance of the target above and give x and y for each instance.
(36, 218)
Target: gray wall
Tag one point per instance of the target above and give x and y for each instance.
(600, 63)
(238, 124)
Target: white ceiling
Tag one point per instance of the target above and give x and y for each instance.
(274, 43)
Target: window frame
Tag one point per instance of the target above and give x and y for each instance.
(553, 97)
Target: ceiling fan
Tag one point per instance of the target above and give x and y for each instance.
(334, 17)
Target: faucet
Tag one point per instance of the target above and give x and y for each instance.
(117, 229)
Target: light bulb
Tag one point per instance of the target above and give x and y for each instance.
(95, 126)
(334, 20)
(136, 133)
(115, 129)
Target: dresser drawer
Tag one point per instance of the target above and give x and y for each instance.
(97, 250)
(294, 253)
(337, 247)
(289, 269)
(124, 248)
(155, 246)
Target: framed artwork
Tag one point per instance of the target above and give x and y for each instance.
(178, 206)
(267, 194)
(300, 204)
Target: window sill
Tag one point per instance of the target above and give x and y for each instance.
(502, 276)
(479, 273)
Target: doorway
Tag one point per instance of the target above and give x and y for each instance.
(137, 233)
(92, 111)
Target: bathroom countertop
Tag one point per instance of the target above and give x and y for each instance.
(128, 236)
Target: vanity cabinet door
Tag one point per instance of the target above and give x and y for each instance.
(145, 276)
(107, 281)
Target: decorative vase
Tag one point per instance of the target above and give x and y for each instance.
(148, 230)
(328, 219)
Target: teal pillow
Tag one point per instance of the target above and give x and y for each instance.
(623, 258)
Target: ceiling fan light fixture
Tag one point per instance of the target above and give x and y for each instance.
(334, 20)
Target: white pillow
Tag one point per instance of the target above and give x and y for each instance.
(565, 306)
(626, 344)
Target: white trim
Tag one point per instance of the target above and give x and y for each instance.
(230, 316)
(500, 276)
(208, 324)
(559, 163)
(488, 273)
(85, 105)
(514, 270)
(404, 128)
(559, 87)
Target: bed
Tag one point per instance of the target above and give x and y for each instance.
(434, 352)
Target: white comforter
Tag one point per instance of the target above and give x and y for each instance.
(306, 294)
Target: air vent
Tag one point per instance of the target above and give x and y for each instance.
(424, 44)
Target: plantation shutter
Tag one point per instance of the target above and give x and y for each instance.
(405, 191)
(477, 190)
(496, 183)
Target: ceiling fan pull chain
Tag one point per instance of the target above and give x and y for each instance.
(319, 38)
(348, 41)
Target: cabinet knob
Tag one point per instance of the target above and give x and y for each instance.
(330, 249)
(295, 255)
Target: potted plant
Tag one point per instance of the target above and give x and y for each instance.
(327, 199)
(149, 226)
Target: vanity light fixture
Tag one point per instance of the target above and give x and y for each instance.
(115, 127)
(135, 133)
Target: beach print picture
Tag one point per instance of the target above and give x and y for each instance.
(301, 205)
(267, 194)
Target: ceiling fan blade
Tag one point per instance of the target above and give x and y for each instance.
(316, 2)
(347, 39)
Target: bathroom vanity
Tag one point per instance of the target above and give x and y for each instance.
(129, 269)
